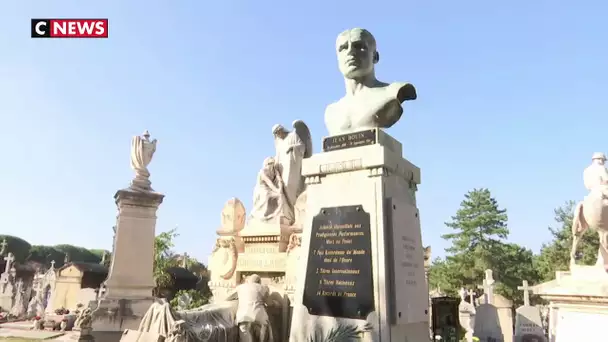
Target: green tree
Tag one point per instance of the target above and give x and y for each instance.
(514, 264)
(444, 275)
(478, 242)
(46, 254)
(479, 227)
(555, 256)
(76, 253)
(19, 247)
(163, 259)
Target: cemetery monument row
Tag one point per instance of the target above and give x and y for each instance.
(362, 275)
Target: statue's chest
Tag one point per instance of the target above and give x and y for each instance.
(363, 111)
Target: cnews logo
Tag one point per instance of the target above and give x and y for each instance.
(69, 28)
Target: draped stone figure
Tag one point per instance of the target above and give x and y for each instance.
(268, 194)
(291, 148)
(142, 150)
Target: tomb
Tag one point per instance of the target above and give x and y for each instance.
(77, 283)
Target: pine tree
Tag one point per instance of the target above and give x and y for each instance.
(480, 226)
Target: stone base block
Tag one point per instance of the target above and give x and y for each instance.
(114, 316)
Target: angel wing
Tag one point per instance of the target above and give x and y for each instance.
(304, 134)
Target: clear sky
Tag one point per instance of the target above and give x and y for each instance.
(512, 96)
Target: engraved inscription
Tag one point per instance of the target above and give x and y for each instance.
(339, 273)
(348, 165)
(344, 141)
(407, 260)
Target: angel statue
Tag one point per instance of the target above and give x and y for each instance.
(268, 194)
(142, 150)
(291, 148)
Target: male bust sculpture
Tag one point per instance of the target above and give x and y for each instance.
(368, 103)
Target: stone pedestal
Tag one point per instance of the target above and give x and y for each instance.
(361, 220)
(131, 272)
(578, 303)
(131, 280)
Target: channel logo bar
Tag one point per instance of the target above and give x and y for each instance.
(69, 28)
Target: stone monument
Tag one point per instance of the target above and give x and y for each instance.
(528, 320)
(130, 280)
(268, 242)
(579, 297)
(361, 275)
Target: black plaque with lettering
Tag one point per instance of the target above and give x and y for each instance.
(339, 278)
(343, 141)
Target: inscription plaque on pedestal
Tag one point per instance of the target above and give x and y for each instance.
(355, 139)
(339, 278)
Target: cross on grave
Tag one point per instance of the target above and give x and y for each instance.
(488, 287)
(52, 264)
(527, 291)
(3, 246)
(9, 259)
(185, 260)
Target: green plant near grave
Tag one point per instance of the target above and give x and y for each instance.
(163, 259)
(198, 299)
(343, 332)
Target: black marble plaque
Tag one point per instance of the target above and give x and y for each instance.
(343, 141)
(339, 278)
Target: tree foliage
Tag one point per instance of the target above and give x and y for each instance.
(555, 256)
(19, 247)
(478, 242)
(46, 254)
(164, 258)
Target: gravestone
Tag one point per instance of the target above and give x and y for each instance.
(487, 323)
(7, 284)
(528, 320)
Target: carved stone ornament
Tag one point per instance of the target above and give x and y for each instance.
(233, 216)
(224, 258)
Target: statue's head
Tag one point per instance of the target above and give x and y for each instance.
(357, 54)
(254, 279)
(279, 131)
(599, 158)
(269, 167)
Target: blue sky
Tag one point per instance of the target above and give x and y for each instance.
(510, 96)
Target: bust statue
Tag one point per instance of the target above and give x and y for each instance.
(368, 103)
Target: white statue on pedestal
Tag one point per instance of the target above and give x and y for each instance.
(280, 181)
(592, 212)
(142, 150)
(368, 103)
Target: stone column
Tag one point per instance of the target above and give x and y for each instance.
(131, 272)
(128, 288)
